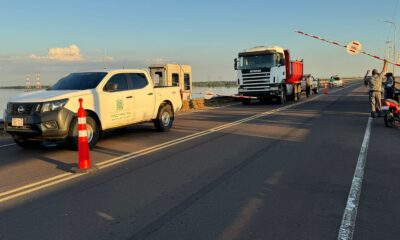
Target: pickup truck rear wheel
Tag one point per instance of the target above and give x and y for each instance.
(164, 119)
(93, 133)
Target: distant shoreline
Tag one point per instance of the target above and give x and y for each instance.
(21, 87)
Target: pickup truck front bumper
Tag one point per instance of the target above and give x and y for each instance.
(52, 125)
(271, 91)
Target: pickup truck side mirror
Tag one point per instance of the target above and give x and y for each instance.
(235, 64)
(111, 87)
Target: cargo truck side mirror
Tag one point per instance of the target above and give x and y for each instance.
(111, 87)
(235, 64)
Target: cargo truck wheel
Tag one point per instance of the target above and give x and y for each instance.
(27, 143)
(389, 119)
(282, 96)
(93, 133)
(246, 101)
(165, 118)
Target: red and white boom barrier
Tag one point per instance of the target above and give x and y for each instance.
(353, 47)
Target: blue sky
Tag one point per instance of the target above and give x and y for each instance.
(206, 34)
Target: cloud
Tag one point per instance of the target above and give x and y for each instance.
(158, 60)
(68, 54)
(5, 57)
(100, 59)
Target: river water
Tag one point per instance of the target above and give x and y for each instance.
(198, 92)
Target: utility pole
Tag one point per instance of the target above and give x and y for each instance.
(27, 82)
(394, 44)
(388, 47)
(38, 84)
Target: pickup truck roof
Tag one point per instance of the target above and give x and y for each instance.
(136, 70)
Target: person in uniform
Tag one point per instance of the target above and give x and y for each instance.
(309, 83)
(374, 83)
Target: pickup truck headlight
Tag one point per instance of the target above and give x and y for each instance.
(55, 105)
(9, 108)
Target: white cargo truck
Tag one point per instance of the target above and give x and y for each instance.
(112, 99)
(268, 73)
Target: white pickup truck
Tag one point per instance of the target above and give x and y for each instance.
(112, 99)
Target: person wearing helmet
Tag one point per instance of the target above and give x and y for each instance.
(374, 83)
(389, 86)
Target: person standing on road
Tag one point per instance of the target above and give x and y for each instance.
(389, 85)
(309, 83)
(374, 83)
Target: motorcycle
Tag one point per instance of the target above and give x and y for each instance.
(391, 106)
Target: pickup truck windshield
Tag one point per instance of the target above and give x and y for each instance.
(257, 61)
(79, 81)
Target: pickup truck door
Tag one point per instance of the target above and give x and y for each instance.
(143, 94)
(116, 100)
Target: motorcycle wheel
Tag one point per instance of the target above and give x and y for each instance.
(389, 119)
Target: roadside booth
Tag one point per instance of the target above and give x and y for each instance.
(173, 75)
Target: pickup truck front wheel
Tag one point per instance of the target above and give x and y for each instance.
(165, 118)
(93, 133)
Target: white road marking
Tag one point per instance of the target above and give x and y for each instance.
(36, 188)
(34, 184)
(8, 145)
(347, 226)
(33, 187)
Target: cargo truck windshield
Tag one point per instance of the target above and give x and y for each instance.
(79, 81)
(256, 61)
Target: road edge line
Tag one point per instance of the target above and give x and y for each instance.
(347, 225)
(8, 145)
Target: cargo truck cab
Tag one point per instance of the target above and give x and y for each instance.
(267, 72)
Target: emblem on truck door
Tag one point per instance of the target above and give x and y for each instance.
(21, 109)
(120, 104)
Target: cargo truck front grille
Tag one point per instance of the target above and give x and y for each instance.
(256, 81)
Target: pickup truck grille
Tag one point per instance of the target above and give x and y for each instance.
(256, 80)
(22, 109)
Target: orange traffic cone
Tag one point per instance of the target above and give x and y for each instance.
(83, 144)
(326, 89)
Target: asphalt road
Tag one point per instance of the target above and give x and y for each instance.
(262, 171)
